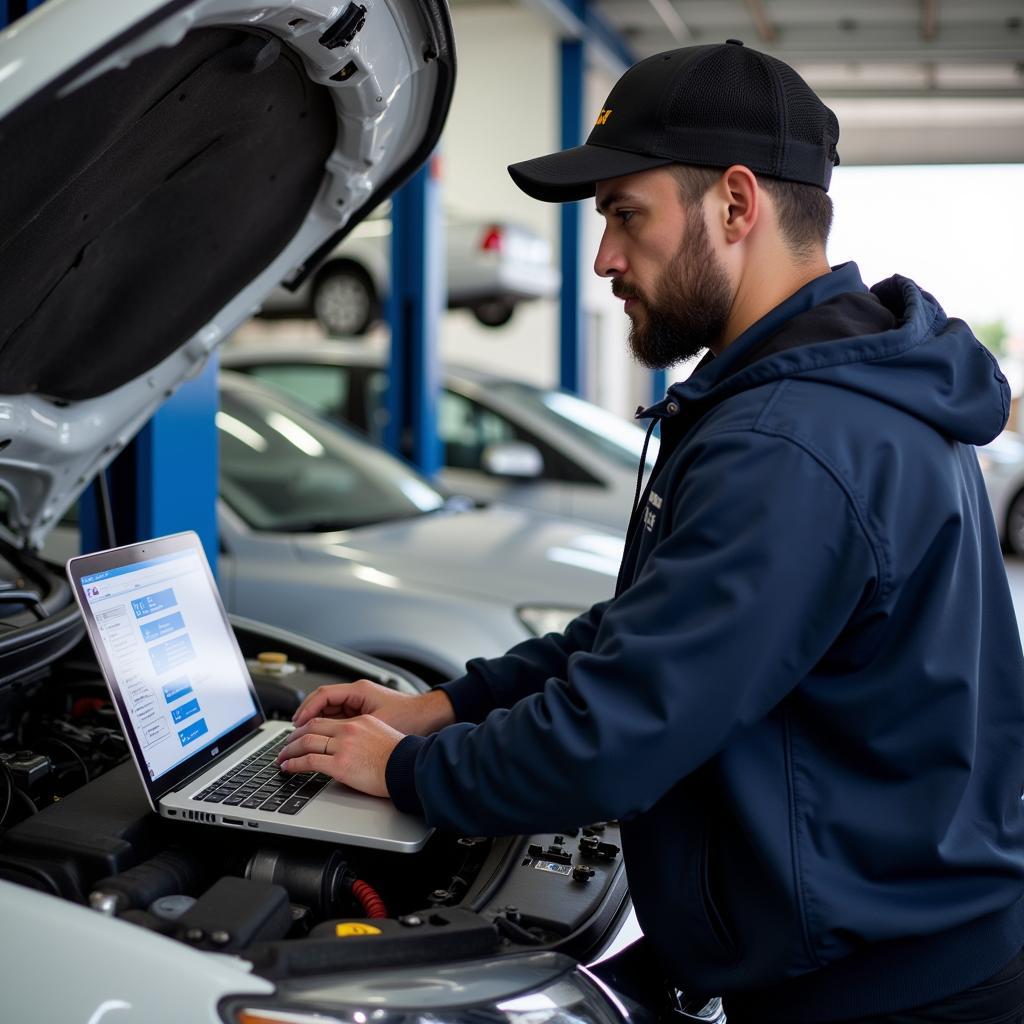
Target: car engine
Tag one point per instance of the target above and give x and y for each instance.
(75, 823)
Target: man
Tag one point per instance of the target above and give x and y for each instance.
(805, 701)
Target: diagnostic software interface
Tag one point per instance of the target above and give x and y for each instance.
(172, 657)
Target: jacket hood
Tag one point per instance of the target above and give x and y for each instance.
(892, 342)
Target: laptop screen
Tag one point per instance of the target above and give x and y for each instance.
(170, 658)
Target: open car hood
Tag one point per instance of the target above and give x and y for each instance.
(165, 166)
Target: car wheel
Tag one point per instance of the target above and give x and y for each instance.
(344, 299)
(494, 312)
(1014, 538)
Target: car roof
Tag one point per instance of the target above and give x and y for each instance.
(341, 354)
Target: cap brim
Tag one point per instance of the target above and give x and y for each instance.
(573, 174)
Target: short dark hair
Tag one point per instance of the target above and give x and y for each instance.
(804, 212)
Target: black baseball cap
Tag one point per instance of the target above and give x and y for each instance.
(709, 106)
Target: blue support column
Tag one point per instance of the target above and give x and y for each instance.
(415, 307)
(572, 371)
(176, 483)
(166, 480)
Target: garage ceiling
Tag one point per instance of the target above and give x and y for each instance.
(849, 48)
(913, 81)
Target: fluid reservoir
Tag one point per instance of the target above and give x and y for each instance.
(273, 664)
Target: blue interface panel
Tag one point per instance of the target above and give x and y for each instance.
(173, 659)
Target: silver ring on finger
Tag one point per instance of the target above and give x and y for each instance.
(327, 743)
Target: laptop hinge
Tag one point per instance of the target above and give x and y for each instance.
(190, 779)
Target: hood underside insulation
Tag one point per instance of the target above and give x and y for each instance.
(135, 208)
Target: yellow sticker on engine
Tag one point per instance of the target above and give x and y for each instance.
(355, 928)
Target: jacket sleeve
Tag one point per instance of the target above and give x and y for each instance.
(765, 560)
(501, 682)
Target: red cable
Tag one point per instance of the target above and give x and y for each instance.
(369, 900)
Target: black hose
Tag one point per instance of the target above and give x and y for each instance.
(10, 792)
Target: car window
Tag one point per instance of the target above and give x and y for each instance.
(616, 437)
(466, 430)
(284, 470)
(324, 388)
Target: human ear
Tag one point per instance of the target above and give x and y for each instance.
(740, 202)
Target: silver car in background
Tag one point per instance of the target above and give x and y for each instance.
(331, 537)
(504, 440)
(1002, 465)
(491, 266)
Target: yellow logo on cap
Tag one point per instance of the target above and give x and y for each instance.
(602, 118)
(355, 928)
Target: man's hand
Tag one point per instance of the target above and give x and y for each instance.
(354, 751)
(416, 714)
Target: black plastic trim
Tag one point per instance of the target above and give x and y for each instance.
(26, 650)
(345, 29)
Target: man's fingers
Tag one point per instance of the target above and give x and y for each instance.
(307, 743)
(320, 701)
(310, 763)
(338, 699)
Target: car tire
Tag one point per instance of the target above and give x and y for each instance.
(344, 300)
(1013, 539)
(494, 312)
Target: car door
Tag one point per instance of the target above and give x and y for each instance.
(468, 428)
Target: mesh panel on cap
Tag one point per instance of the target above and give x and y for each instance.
(809, 119)
(706, 98)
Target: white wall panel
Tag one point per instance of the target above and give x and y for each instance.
(506, 108)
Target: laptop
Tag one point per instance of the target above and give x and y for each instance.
(203, 747)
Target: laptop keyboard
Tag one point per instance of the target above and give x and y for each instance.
(257, 782)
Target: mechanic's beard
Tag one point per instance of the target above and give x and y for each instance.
(690, 306)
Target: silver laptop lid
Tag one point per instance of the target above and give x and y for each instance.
(175, 672)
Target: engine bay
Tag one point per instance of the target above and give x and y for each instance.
(75, 823)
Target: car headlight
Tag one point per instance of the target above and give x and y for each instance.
(459, 994)
(543, 619)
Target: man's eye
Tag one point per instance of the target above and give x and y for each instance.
(625, 215)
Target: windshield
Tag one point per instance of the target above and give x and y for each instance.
(614, 436)
(285, 470)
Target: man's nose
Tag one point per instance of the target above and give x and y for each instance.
(609, 261)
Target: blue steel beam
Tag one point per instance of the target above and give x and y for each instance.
(415, 308)
(586, 29)
(166, 479)
(579, 19)
(571, 373)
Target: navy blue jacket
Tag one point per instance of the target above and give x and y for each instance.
(806, 700)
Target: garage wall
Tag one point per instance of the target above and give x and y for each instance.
(506, 108)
